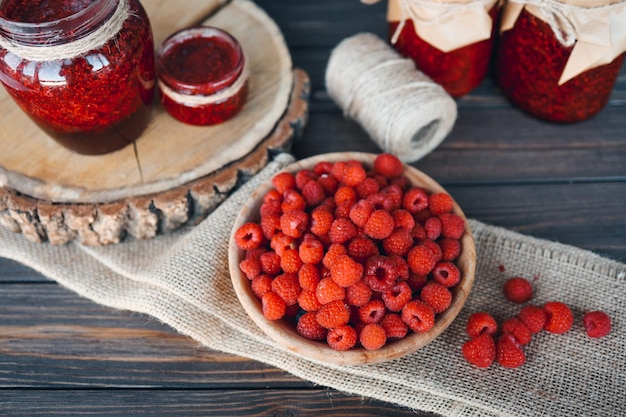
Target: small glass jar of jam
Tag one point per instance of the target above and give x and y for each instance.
(83, 70)
(530, 66)
(202, 74)
(459, 70)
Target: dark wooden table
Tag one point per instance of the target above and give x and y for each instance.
(63, 355)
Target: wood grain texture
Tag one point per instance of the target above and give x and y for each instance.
(170, 153)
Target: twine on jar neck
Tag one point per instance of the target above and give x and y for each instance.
(445, 10)
(203, 100)
(555, 14)
(403, 110)
(73, 49)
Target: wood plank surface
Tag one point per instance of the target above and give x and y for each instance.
(64, 355)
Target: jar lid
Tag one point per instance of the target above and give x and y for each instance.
(201, 60)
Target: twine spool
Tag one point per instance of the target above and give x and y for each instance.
(402, 109)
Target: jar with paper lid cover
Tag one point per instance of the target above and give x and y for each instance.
(83, 70)
(450, 41)
(559, 59)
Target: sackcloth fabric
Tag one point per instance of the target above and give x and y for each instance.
(182, 279)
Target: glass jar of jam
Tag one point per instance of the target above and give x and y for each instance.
(83, 70)
(458, 70)
(202, 74)
(530, 67)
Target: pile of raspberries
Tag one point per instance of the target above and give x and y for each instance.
(353, 256)
(505, 346)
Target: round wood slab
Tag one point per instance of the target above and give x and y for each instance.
(179, 172)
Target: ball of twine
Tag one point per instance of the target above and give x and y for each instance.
(403, 110)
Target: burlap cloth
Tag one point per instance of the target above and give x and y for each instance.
(183, 280)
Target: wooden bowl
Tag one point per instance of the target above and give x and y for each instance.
(284, 332)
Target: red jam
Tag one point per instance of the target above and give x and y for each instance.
(529, 65)
(458, 71)
(95, 102)
(202, 76)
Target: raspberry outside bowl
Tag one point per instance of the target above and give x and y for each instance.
(283, 331)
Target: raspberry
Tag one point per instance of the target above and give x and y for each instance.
(333, 251)
(379, 225)
(311, 251)
(307, 300)
(354, 174)
(345, 271)
(323, 167)
(518, 329)
(380, 273)
(433, 228)
(343, 210)
(287, 287)
(345, 194)
(419, 316)
(338, 169)
(309, 328)
(446, 274)
(342, 338)
(249, 236)
(421, 260)
(281, 242)
(313, 193)
(360, 212)
(450, 248)
(294, 223)
(303, 177)
(597, 324)
(321, 221)
(559, 318)
(452, 225)
(362, 248)
(341, 230)
(388, 165)
(533, 317)
(251, 267)
(372, 337)
(255, 253)
(434, 247)
(401, 181)
(394, 327)
(399, 242)
(273, 306)
(396, 298)
(283, 182)
(328, 183)
(437, 296)
(270, 225)
(508, 353)
(481, 323)
(292, 200)
(402, 268)
(358, 294)
(418, 232)
(327, 291)
(518, 290)
(273, 195)
(334, 314)
(480, 351)
(290, 261)
(366, 187)
(271, 207)
(261, 284)
(440, 203)
(417, 282)
(309, 276)
(393, 197)
(372, 312)
(415, 200)
(402, 218)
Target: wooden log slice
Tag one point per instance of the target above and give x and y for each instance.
(187, 171)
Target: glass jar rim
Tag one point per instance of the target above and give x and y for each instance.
(58, 31)
(204, 88)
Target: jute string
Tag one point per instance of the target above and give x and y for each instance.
(401, 108)
(183, 280)
(76, 48)
(198, 100)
